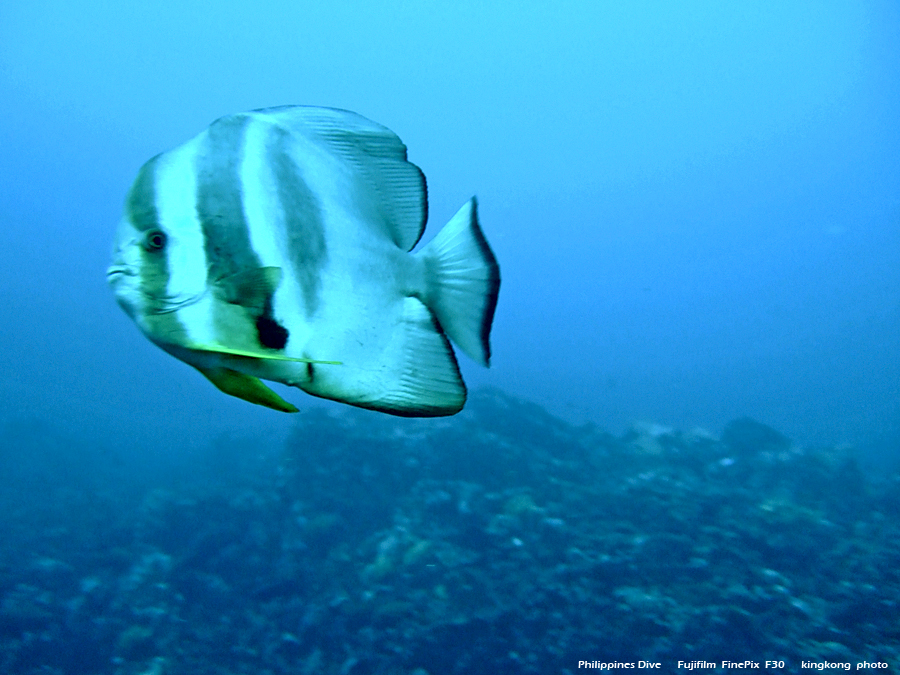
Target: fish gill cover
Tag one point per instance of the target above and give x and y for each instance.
(501, 540)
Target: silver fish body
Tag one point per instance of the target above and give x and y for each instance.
(275, 245)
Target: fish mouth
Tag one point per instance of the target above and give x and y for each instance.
(114, 272)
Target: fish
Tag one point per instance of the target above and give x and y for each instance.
(277, 245)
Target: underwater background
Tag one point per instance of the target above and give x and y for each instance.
(686, 448)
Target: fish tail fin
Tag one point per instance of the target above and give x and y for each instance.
(463, 281)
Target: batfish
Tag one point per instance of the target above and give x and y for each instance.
(276, 245)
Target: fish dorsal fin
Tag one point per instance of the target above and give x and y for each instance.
(249, 288)
(246, 387)
(389, 186)
(250, 354)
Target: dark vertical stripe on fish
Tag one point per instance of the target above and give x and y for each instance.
(141, 200)
(303, 221)
(226, 235)
(164, 327)
(144, 216)
(220, 205)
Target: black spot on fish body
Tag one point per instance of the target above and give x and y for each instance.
(271, 333)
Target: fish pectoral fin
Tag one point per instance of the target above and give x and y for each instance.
(271, 356)
(246, 387)
(249, 288)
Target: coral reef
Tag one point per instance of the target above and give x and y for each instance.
(498, 541)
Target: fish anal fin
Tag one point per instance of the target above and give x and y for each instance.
(246, 387)
(425, 380)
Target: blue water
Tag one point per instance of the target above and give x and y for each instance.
(696, 209)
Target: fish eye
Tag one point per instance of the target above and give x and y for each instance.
(155, 240)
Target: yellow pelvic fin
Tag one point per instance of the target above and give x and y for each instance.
(247, 388)
(222, 349)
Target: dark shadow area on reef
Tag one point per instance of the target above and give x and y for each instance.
(502, 540)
